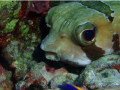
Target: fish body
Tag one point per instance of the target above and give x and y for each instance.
(69, 87)
(79, 34)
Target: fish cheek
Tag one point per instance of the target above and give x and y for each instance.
(93, 52)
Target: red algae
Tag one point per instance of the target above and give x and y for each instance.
(39, 8)
(117, 67)
(4, 39)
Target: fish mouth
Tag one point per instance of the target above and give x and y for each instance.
(78, 62)
(52, 56)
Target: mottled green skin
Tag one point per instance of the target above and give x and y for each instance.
(63, 20)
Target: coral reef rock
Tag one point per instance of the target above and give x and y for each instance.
(5, 79)
(40, 76)
(101, 73)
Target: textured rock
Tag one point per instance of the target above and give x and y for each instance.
(101, 73)
(5, 79)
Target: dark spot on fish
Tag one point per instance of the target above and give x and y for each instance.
(115, 41)
(110, 18)
(93, 52)
(63, 36)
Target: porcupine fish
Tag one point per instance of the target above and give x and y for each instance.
(79, 34)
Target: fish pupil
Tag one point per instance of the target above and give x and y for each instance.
(89, 35)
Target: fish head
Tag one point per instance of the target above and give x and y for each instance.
(77, 34)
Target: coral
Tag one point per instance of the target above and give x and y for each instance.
(4, 39)
(8, 15)
(101, 73)
(20, 37)
(39, 8)
(10, 26)
(110, 88)
(23, 9)
(19, 54)
(5, 79)
(24, 29)
(41, 76)
(62, 79)
(12, 7)
(117, 67)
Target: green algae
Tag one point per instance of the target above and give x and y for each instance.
(1, 88)
(9, 11)
(26, 33)
(13, 7)
(8, 3)
(10, 26)
(24, 29)
(8, 74)
(20, 54)
(10, 6)
(20, 83)
(16, 11)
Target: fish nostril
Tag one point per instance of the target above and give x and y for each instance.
(52, 56)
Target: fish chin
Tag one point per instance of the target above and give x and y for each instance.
(80, 61)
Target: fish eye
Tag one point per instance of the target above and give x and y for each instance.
(86, 34)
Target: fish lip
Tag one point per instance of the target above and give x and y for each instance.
(55, 57)
(52, 56)
(49, 54)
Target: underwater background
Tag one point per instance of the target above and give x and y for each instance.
(25, 30)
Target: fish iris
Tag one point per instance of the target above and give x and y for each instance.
(88, 35)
